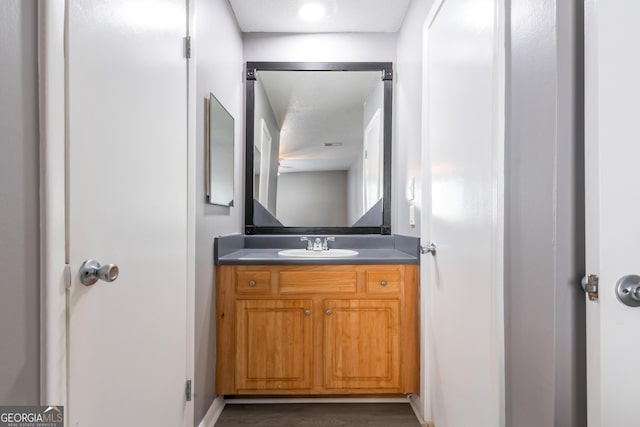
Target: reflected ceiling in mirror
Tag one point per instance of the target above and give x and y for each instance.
(318, 135)
(320, 115)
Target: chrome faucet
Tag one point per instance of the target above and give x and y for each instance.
(317, 244)
(309, 243)
(325, 245)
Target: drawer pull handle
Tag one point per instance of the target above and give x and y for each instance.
(307, 312)
(329, 312)
(252, 283)
(383, 283)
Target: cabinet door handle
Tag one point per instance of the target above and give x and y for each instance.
(252, 283)
(307, 312)
(329, 312)
(383, 283)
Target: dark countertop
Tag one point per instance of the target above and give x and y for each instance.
(263, 250)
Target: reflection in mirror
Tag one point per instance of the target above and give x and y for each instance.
(262, 164)
(328, 139)
(319, 135)
(219, 154)
(372, 159)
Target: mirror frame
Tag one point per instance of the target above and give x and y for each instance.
(386, 71)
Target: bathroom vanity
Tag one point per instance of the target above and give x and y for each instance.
(317, 297)
(317, 326)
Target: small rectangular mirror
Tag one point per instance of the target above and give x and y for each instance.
(219, 155)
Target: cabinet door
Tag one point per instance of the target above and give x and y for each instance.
(362, 344)
(274, 344)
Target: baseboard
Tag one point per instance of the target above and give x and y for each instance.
(213, 413)
(258, 401)
(418, 412)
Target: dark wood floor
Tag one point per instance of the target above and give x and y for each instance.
(319, 415)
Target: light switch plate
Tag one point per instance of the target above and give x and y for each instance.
(411, 188)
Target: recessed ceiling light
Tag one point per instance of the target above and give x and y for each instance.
(311, 12)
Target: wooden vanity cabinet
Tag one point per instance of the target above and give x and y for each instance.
(317, 330)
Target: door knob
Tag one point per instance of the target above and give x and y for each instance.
(628, 290)
(91, 271)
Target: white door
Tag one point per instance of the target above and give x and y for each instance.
(612, 153)
(127, 195)
(463, 130)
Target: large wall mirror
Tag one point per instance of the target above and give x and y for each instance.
(318, 148)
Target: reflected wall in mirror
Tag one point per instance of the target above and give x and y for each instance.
(319, 138)
(219, 154)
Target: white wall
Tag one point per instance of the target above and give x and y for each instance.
(375, 47)
(311, 199)
(408, 118)
(218, 55)
(19, 205)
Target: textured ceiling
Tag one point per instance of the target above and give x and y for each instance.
(315, 108)
(342, 16)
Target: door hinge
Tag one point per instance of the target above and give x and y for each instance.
(187, 47)
(188, 390)
(429, 248)
(590, 285)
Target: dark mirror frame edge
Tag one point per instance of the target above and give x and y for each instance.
(386, 69)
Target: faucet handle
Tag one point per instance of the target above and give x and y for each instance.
(325, 245)
(309, 243)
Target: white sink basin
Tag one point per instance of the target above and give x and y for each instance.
(331, 253)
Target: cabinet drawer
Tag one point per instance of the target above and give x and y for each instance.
(253, 282)
(317, 282)
(383, 282)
